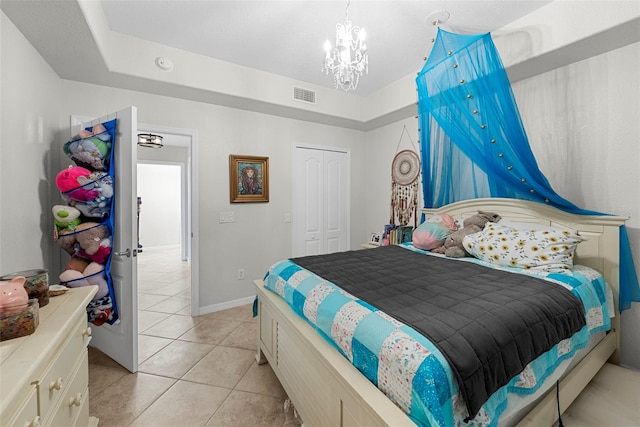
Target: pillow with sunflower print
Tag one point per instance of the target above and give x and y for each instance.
(537, 248)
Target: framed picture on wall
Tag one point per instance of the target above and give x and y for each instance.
(248, 179)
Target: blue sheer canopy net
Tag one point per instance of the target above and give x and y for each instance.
(473, 143)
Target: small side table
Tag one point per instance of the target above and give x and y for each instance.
(369, 245)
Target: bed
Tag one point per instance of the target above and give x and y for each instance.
(327, 390)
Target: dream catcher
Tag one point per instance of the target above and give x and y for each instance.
(405, 170)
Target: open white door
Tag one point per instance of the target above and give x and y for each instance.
(120, 341)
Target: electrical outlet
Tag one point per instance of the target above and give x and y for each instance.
(287, 217)
(240, 273)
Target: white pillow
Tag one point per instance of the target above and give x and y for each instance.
(547, 249)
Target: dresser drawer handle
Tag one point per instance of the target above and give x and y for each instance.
(76, 400)
(87, 332)
(34, 423)
(55, 385)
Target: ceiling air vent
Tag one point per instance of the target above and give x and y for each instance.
(304, 95)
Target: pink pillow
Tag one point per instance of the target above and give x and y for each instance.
(446, 220)
(430, 235)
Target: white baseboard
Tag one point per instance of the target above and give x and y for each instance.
(226, 305)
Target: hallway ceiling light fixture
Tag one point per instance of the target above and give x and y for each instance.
(349, 58)
(149, 140)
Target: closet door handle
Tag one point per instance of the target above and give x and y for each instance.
(126, 253)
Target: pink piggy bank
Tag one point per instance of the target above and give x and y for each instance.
(13, 295)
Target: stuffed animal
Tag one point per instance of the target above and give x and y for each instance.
(100, 311)
(93, 274)
(65, 217)
(13, 295)
(90, 149)
(76, 263)
(433, 232)
(98, 185)
(102, 182)
(96, 130)
(453, 246)
(90, 240)
(68, 182)
(95, 242)
(91, 210)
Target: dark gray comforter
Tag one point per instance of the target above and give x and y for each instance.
(489, 324)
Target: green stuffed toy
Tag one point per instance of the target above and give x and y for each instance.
(65, 217)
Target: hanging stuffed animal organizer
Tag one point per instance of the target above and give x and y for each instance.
(83, 227)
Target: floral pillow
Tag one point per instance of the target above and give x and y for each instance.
(540, 249)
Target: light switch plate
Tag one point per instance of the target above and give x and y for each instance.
(226, 217)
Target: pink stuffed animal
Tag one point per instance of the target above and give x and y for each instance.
(96, 130)
(13, 295)
(92, 275)
(70, 181)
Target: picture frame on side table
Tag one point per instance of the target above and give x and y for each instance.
(375, 239)
(248, 179)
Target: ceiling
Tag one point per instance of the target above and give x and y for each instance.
(280, 37)
(286, 37)
(79, 40)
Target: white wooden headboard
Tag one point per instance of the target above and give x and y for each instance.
(601, 251)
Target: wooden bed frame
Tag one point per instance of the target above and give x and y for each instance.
(327, 390)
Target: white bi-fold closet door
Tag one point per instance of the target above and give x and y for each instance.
(320, 201)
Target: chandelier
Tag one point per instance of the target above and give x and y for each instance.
(349, 58)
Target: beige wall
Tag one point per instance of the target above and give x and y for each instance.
(224, 248)
(30, 93)
(584, 129)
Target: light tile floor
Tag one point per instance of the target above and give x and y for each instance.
(193, 371)
(612, 399)
(201, 371)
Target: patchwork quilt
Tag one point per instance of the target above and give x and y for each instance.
(411, 369)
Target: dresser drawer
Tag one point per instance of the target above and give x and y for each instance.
(30, 364)
(75, 399)
(27, 414)
(57, 378)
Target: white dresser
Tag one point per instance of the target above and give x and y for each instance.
(44, 376)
